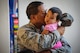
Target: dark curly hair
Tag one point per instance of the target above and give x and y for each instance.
(32, 8)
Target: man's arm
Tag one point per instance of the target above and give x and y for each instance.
(66, 48)
(35, 41)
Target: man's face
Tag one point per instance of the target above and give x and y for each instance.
(41, 15)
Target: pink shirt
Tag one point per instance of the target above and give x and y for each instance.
(51, 27)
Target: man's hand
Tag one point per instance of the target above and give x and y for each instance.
(61, 30)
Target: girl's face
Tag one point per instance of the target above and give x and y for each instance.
(51, 18)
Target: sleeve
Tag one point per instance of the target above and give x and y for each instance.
(35, 41)
(66, 48)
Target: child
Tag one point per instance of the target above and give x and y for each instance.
(51, 19)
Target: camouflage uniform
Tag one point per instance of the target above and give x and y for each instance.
(29, 37)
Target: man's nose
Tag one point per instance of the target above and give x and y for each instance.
(45, 14)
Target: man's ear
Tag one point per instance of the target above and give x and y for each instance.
(32, 17)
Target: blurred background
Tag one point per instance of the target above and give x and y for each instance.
(72, 33)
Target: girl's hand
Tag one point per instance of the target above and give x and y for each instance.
(45, 32)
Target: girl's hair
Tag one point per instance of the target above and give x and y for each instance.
(56, 10)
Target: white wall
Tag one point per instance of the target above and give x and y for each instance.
(72, 34)
(4, 27)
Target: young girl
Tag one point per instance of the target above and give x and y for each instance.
(51, 19)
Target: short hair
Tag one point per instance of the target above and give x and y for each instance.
(56, 10)
(32, 8)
